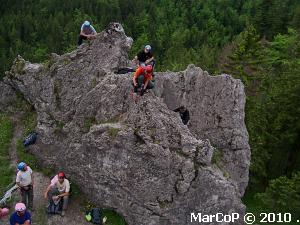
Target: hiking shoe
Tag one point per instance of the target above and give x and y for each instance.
(63, 213)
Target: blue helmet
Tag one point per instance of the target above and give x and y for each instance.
(21, 166)
(148, 47)
(86, 23)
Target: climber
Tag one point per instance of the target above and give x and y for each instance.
(25, 182)
(145, 57)
(21, 216)
(142, 79)
(87, 31)
(58, 190)
(3, 212)
(184, 114)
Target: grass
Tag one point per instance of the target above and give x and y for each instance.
(217, 157)
(6, 133)
(114, 119)
(113, 218)
(88, 122)
(113, 132)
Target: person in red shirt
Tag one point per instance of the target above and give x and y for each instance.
(142, 79)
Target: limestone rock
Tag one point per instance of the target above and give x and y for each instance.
(138, 158)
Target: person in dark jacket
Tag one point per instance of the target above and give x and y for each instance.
(184, 114)
(145, 57)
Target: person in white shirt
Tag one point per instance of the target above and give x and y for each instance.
(59, 189)
(24, 180)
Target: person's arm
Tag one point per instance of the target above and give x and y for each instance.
(136, 74)
(27, 222)
(32, 180)
(176, 110)
(63, 194)
(135, 60)
(47, 190)
(94, 31)
(149, 60)
(83, 34)
(146, 84)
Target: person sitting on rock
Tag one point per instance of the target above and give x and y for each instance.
(59, 189)
(87, 31)
(3, 212)
(21, 216)
(184, 114)
(145, 57)
(24, 180)
(142, 79)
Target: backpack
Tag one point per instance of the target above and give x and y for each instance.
(53, 208)
(30, 139)
(125, 70)
(96, 216)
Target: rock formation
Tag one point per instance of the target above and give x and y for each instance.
(138, 158)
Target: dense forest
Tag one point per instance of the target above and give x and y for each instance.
(257, 41)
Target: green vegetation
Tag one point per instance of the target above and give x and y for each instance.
(113, 132)
(217, 157)
(88, 122)
(113, 218)
(6, 132)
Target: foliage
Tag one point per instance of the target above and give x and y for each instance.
(270, 73)
(113, 132)
(181, 32)
(6, 132)
(282, 195)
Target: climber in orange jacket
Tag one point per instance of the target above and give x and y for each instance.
(142, 79)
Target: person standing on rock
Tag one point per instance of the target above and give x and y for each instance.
(25, 182)
(58, 190)
(87, 31)
(184, 114)
(145, 57)
(21, 216)
(142, 79)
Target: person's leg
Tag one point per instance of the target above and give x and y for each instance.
(150, 85)
(24, 196)
(80, 39)
(140, 80)
(153, 63)
(65, 202)
(30, 198)
(52, 192)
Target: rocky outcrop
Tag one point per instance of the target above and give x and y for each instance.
(216, 105)
(138, 158)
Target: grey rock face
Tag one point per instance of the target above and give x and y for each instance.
(7, 97)
(216, 105)
(137, 158)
